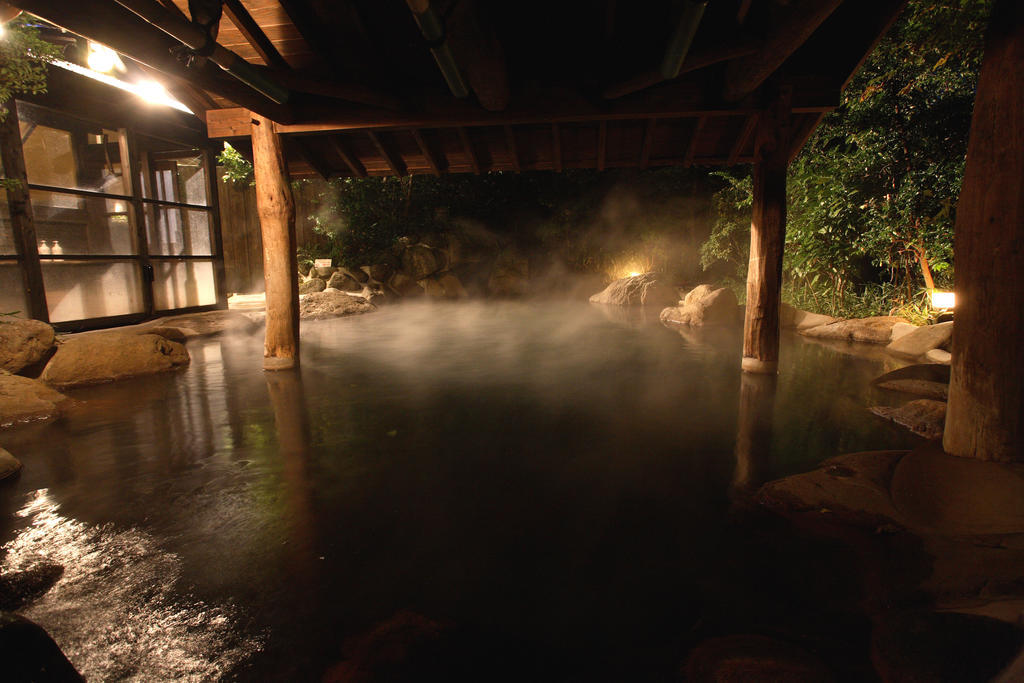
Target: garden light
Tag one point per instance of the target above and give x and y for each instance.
(943, 299)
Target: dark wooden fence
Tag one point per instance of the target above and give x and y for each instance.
(240, 230)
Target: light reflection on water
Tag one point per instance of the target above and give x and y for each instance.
(114, 612)
(541, 475)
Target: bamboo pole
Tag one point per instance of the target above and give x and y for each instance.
(276, 209)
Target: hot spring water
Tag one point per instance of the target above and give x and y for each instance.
(510, 491)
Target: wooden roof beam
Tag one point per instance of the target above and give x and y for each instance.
(348, 158)
(313, 31)
(791, 26)
(254, 35)
(310, 157)
(679, 100)
(513, 151)
(479, 52)
(694, 61)
(125, 32)
(741, 142)
(350, 92)
(394, 162)
(467, 145)
(428, 156)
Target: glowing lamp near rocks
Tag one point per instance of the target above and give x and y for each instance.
(943, 299)
(634, 273)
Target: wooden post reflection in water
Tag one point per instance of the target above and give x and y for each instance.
(753, 434)
(288, 402)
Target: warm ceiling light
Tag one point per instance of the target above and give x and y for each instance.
(943, 299)
(151, 91)
(101, 58)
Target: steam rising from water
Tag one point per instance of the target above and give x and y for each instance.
(112, 612)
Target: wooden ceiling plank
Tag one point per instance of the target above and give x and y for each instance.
(312, 30)
(394, 162)
(127, 33)
(305, 151)
(428, 156)
(513, 150)
(253, 34)
(345, 154)
(467, 146)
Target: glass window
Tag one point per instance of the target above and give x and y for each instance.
(12, 290)
(179, 284)
(73, 224)
(76, 290)
(173, 231)
(7, 246)
(61, 151)
(175, 176)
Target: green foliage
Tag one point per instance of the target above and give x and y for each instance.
(237, 168)
(730, 239)
(872, 196)
(23, 59)
(571, 217)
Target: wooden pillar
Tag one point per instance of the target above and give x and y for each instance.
(22, 220)
(767, 239)
(985, 414)
(277, 223)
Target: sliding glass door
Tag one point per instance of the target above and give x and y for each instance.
(125, 225)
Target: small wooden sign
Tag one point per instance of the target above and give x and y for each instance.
(323, 263)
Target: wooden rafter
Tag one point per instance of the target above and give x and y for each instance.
(791, 26)
(394, 162)
(347, 157)
(467, 145)
(741, 142)
(678, 100)
(513, 151)
(255, 36)
(123, 31)
(311, 157)
(428, 156)
(312, 30)
(803, 134)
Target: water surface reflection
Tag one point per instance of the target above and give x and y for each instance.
(532, 484)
